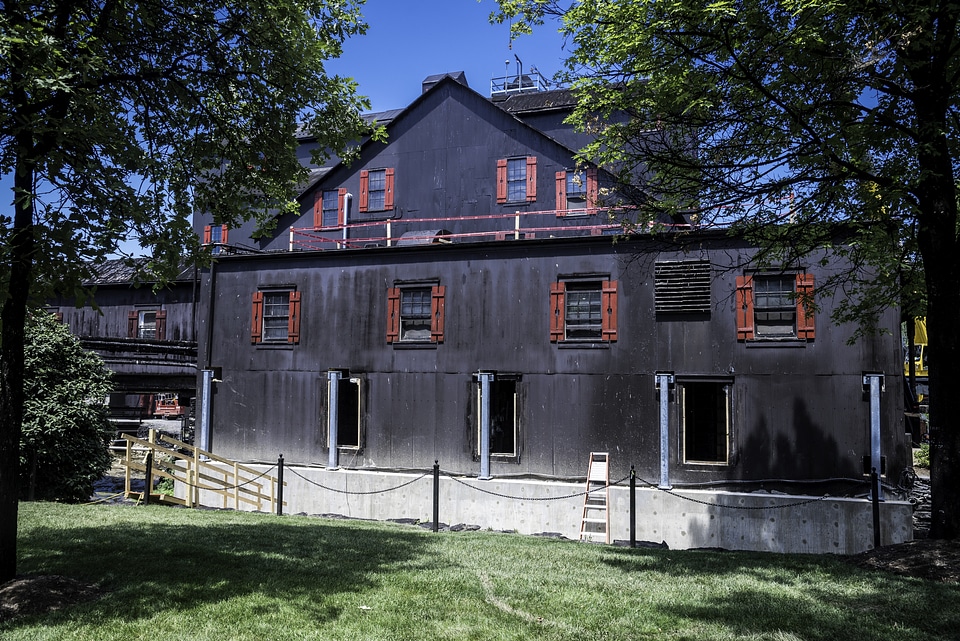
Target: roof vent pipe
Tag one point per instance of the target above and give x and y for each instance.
(347, 199)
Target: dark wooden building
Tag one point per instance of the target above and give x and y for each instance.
(458, 294)
(147, 337)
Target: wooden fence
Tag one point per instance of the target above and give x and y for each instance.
(194, 471)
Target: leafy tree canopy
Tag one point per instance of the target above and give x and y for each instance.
(782, 119)
(127, 116)
(120, 118)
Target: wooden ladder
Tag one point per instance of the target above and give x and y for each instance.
(596, 516)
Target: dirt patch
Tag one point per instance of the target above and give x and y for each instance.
(931, 559)
(43, 594)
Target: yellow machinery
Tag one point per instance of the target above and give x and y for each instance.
(920, 350)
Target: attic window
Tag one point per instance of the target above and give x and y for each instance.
(682, 287)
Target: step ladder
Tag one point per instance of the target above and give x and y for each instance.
(596, 517)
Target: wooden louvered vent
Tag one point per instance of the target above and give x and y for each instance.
(682, 287)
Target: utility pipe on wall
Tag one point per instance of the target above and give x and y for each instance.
(873, 383)
(486, 380)
(663, 383)
(333, 413)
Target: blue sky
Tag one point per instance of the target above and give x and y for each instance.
(408, 40)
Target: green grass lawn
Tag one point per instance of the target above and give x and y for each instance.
(209, 575)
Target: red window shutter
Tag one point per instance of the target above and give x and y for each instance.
(388, 188)
(256, 324)
(608, 329)
(744, 308)
(223, 234)
(364, 194)
(207, 235)
(531, 178)
(161, 324)
(502, 181)
(293, 320)
(133, 319)
(318, 209)
(341, 206)
(557, 311)
(436, 313)
(561, 193)
(805, 313)
(592, 190)
(393, 314)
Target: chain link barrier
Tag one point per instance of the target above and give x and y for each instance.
(532, 498)
(357, 493)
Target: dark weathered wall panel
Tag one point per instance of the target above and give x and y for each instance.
(799, 412)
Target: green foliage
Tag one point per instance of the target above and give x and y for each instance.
(131, 116)
(921, 456)
(294, 578)
(63, 446)
(779, 120)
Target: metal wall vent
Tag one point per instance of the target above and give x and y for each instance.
(682, 287)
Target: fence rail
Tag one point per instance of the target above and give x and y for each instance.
(164, 457)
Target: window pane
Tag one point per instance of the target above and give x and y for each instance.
(576, 190)
(415, 314)
(147, 325)
(584, 315)
(775, 306)
(376, 187)
(276, 308)
(331, 212)
(503, 417)
(516, 179)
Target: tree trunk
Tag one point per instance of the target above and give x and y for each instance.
(13, 318)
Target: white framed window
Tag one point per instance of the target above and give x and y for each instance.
(504, 424)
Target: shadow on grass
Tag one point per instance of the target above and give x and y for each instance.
(812, 597)
(146, 563)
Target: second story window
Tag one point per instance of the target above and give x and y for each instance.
(577, 192)
(376, 189)
(415, 314)
(583, 310)
(329, 208)
(147, 324)
(517, 180)
(276, 317)
(775, 306)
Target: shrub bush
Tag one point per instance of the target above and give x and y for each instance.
(63, 447)
(921, 456)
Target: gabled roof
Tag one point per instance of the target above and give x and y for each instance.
(526, 103)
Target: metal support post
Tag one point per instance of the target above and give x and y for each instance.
(206, 401)
(333, 412)
(486, 380)
(633, 507)
(874, 384)
(436, 496)
(280, 486)
(664, 382)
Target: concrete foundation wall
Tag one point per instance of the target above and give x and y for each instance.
(683, 519)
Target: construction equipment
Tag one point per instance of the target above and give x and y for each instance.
(596, 515)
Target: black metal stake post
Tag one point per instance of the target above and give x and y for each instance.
(633, 507)
(148, 481)
(436, 496)
(875, 482)
(280, 486)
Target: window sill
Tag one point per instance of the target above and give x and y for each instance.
(414, 345)
(274, 345)
(584, 344)
(775, 342)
